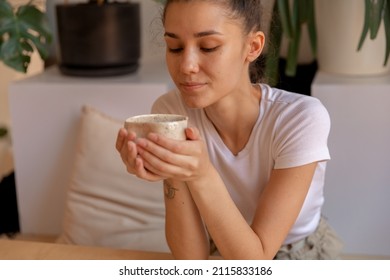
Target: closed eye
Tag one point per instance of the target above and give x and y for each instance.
(206, 50)
(177, 50)
(209, 49)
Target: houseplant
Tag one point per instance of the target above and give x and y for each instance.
(289, 20)
(376, 12)
(290, 17)
(342, 28)
(23, 29)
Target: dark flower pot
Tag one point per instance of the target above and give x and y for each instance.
(98, 40)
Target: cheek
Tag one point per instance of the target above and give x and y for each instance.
(224, 65)
(171, 66)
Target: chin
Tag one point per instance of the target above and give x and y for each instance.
(194, 104)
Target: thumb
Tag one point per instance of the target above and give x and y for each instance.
(192, 133)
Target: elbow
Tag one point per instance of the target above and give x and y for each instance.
(188, 254)
(188, 250)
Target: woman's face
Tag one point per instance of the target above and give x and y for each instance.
(206, 52)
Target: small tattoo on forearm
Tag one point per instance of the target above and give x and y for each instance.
(169, 191)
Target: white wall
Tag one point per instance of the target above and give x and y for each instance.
(6, 76)
(357, 184)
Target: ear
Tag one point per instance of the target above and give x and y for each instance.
(255, 45)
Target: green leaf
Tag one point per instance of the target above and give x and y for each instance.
(19, 63)
(292, 55)
(5, 9)
(39, 44)
(285, 18)
(386, 19)
(311, 26)
(293, 47)
(14, 56)
(376, 17)
(366, 24)
(295, 17)
(21, 32)
(375, 12)
(304, 10)
(272, 58)
(32, 18)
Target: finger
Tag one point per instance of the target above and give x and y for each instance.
(154, 152)
(128, 151)
(192, 133)
(164, 167)
(158, 141)
(129, 154)
(142, 172)
(120, 140)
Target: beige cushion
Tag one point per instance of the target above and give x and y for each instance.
(105, 205)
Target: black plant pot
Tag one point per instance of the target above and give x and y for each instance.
(97, 41)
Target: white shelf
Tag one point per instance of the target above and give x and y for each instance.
(45, 110)
(357, 190)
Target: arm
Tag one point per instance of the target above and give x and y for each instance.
(279, 204)
(185, 232)
(278, 208)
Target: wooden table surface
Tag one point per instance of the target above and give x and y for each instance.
(28, 250)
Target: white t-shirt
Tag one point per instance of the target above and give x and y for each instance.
(291, 130)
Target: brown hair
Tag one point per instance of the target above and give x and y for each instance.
(250, 14)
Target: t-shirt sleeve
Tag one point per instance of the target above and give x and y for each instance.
(302, 134)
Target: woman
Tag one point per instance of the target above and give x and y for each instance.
(250, 175)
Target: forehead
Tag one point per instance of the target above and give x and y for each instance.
(197, 16)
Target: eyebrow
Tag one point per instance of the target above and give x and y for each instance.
(197, 35)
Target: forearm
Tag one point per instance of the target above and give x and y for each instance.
(185, 232)
(231, 233)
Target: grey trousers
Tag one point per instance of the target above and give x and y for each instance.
(323, 244)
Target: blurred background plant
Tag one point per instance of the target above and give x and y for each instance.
(289, 20)
(291, 16)
(3, 131)
(23, 30)
(376, 12)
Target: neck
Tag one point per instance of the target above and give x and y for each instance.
(235, 117)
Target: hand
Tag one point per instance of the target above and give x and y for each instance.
(125, 145)
(177, 159)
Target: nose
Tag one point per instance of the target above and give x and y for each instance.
(189, 62)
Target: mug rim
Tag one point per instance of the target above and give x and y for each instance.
(147, 118)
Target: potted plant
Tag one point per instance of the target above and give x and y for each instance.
(98, 37)
(22, 30)
(343, 28)
(327, 33)
(288, 21)
(376, 12)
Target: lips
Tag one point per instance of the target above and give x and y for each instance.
(192, 85)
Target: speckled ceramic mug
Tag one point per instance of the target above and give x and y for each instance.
(169, 125)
